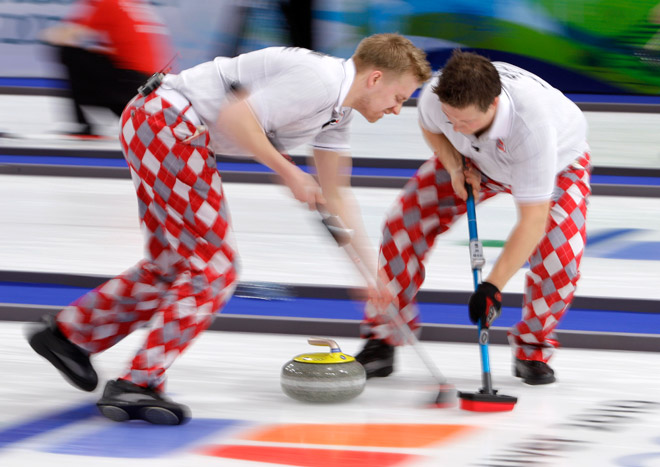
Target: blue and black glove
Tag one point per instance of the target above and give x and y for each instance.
(485, 304)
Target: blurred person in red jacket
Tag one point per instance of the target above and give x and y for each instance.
(109, 48)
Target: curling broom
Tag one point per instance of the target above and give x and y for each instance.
(487, 399)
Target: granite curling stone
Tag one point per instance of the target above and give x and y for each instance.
(323, 377)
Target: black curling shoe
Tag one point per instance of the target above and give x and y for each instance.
(123, 400)
(377, 358)
(72, 361)
(533, 372)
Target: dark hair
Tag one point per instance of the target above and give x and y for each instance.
(468, 79)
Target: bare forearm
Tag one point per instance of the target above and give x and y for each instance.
(238, 121)
(450, 158)
(334, 176)
(66, 34)
(350, 212)
(518, 248)
(524, 238)
(452, 161)
(240, 125)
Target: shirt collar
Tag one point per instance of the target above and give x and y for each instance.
(347, 82)
(501, 126)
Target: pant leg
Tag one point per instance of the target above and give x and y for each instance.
(426, 207)
(95, 80)
(188, 228)
(298, 15)
(188, 309)
(190, 265)
(104, 316)
(554, 269)
(83, 70)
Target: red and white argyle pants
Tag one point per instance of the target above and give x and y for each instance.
(189, 270)
(428, 206)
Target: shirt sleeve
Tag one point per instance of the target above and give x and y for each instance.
(289, 97)
(336, 137)
(428, 109)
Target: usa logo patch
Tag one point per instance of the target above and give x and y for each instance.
(500, 145)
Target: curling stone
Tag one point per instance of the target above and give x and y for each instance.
(323, 377)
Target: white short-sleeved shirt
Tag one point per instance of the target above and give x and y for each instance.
(536, 133)
(295, 94)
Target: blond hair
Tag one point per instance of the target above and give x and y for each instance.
(393, 53)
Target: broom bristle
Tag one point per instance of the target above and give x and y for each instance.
(486, 402)
(481, 406)
(446, 397)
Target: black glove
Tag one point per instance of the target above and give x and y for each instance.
(485, 304)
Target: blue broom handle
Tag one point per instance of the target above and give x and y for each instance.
(474, 238)
(477, 261)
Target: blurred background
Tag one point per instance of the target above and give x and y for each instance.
(579, 46)
(68, 222)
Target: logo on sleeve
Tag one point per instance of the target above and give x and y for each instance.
(500, 145)
(336, 118)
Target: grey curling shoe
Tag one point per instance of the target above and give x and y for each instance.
(123, 400)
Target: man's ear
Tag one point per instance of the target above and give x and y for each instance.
(496, 101)
(374, 77)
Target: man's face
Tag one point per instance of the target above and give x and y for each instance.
(470, 120)
(385, 94)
